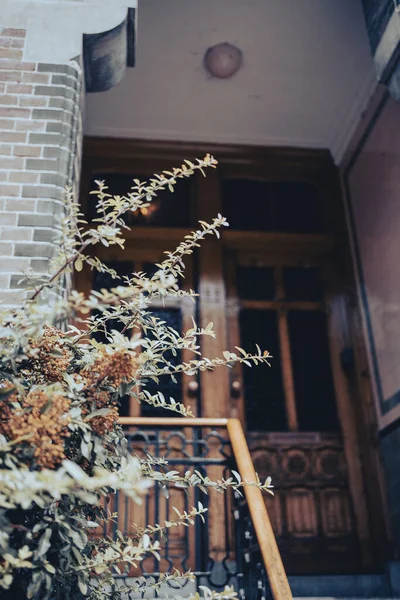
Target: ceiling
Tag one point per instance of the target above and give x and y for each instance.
(306, 78)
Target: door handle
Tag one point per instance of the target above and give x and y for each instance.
(236, 389)
(193, 388)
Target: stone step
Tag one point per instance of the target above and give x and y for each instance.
(362, 586)
(367, 586)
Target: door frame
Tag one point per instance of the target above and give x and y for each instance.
(274, 164)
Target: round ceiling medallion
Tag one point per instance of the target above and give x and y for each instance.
(223, 60)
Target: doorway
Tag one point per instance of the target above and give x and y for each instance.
(279, 277)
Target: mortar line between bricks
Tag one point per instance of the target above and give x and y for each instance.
(36, 184)
(49, 108)
(31, 145)
(47, 146)
(40, 171)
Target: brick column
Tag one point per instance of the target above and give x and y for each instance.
(40, 140)
(41, 113)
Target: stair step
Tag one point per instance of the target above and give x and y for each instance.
(351, 587)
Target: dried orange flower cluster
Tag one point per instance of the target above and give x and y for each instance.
(117, 367)
(104, 423)
(113, 369)
(41, 421)
(51, 356)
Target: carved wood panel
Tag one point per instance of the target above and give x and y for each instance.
(311, 513)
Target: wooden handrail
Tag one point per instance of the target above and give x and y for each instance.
(258, 511)
(172, 422)
(259, 515)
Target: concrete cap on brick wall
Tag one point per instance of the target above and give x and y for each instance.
(60, 30)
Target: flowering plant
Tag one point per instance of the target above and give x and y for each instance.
(62, 450)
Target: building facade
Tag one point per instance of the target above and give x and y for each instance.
(319, 281)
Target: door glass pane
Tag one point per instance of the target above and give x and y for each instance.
(165, 210)
(315, 398)
(105, 281)
(173, 318)
(246, 204)
(255, 283)
(302, 284)
(287, 207)
(263, 389)
(149, 269)
(297, 207)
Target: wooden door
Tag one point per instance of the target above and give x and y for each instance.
(290, 409)
(278, 278)
(285, 290)
(144, 249)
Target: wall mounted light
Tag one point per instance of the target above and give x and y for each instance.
(223, 60)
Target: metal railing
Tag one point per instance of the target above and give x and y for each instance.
(237, 545)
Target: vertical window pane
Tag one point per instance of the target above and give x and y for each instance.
(315, 398)
(165, 210)
(302, 284)
(297, 207)
(287, 207)
(263, 389)
(105, 281)
(173, 318)
(246, 204)
(255, 283)
(149, 269)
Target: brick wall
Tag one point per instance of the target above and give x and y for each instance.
(40, 148)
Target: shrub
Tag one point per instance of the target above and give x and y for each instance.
(62, 451)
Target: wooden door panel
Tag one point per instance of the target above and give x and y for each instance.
(312, 512)
(178, 313)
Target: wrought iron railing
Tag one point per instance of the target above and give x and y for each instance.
(236, 546)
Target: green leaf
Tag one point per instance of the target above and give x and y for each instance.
(93, 524)
(56, 353)
(98, 413)
(79, 538)
(243, 352)
(74, 470)
(83, 588)
(5, 392)
(236, 474)
(50, 568)
(35, 585)
(44, 543)
(46, 407)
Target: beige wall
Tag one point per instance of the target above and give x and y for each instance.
(306, 78)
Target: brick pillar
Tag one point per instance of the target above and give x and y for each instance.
(41, 131)
(41, 113)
